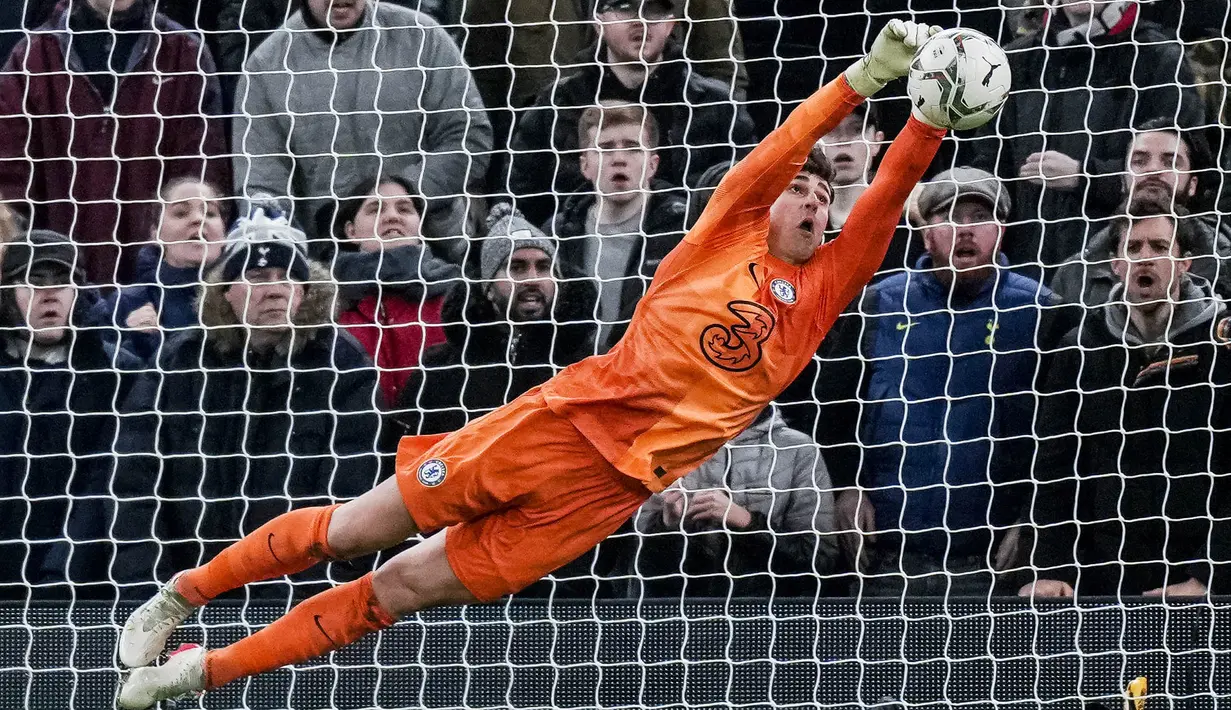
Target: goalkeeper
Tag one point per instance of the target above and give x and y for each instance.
(733, 315)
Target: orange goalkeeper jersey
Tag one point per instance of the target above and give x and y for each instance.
(725, 326)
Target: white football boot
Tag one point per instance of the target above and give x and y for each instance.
(182, 676)
(146, 632)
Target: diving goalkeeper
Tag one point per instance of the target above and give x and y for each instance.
(734, 313)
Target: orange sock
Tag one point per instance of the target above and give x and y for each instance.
(323, 623)
(290, 543)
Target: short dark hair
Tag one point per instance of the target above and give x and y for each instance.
(870, 114)
(1200, 156)
(818, 164)
(350, 205)
(1141, 209)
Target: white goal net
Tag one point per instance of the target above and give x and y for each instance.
(248, 245)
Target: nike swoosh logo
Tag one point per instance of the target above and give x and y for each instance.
(317, 620)
(752, 269)
(904, 326)
(269, 541)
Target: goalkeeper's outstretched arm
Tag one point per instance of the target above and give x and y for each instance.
(751, 187)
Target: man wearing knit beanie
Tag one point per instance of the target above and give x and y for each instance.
(517, 262)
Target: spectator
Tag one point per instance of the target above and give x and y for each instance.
(18, 18)
(952, 353)
(265, 407)
(346, 90)
(622, 229)
(58, 387)
(1164, 164)
(853, 148)
(634, 63)
(188, 235)
(391, 287)
(1130, 491)
(527, 318)
(1092, 73)
(754, 521)
(87, 155)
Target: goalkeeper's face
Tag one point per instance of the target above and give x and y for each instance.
(798, 218)
(1150, 263)
(45, 303)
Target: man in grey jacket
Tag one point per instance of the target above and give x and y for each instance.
(347, 89)
(755, 520)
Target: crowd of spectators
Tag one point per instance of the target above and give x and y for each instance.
(246, 246)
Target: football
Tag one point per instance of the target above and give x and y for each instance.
(959, 79)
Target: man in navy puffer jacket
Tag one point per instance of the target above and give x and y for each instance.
(952, 349)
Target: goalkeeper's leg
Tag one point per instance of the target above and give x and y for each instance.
(419, 578)
(290, 543)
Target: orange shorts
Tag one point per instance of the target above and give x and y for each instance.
(521, 492)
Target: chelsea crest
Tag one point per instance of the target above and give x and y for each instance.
(782, 290)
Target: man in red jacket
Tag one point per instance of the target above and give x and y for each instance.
(95, 115)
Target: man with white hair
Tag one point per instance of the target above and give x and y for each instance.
(267, 406)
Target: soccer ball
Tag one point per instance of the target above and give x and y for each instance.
(959, 79)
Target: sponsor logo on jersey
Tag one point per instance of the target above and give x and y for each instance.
(782, 290)
(737, 347)
(432, 472)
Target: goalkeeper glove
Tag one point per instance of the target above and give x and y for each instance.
(890, 58)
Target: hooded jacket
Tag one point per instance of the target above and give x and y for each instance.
(1136, 445)
(172, 290)
(227, 438)
(662, 228)
(89, 167)
(402, 100)
(698, 122)
(391, 302)
(57, 439)
(778, 475)
(1087, 278)
(1080, 100)
(948, 378)
(486, 362)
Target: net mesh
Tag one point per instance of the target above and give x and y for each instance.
(177, 177)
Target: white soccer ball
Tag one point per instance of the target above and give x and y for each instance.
(959, 79)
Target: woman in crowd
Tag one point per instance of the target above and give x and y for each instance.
(391, 287)
(186, 238)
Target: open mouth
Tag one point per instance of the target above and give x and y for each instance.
(1145, 281)
(807, 225)
(392, 232)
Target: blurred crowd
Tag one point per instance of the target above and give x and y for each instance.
(248, 245)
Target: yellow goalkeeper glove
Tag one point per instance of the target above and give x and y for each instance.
(892, 52)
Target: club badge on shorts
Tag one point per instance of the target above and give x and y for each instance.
(432, 472)
(782, 290)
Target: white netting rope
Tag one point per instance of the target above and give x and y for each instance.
(173, 183)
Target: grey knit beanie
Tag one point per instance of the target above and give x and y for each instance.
(508, 231)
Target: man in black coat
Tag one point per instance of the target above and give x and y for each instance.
(266, 407)
(626, 222)
(59, 386)
(1079, 85)
(634, 63)
(1131, 484)
(526, 318)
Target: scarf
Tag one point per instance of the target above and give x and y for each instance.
(1107, 20)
